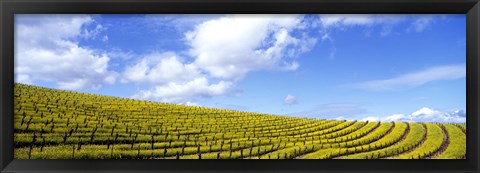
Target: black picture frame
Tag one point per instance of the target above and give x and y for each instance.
(8, 8)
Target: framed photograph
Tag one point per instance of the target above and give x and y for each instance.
(239, 86)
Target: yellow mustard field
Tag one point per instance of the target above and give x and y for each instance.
(56, 124)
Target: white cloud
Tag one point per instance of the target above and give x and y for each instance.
(231, 46)
(172, 79)
(340, 118)
(189, 103)
(160, 68)
(117, 53)
(448, 72)
(94, 33)
(105, 38)
(46, 50)
(338, 111)
(370, 119)
(23, 78)
(179, 22)
(326, 37)
(341, 20)
(290, 100)
(394, 117)
(420, 24)
(176, 92)
(387, 23)
(424, 111)
(224, 49)
(344, 21)
(426, 114)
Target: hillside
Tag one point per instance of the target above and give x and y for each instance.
(55, 124)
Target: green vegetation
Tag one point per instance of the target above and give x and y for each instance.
(55, 124)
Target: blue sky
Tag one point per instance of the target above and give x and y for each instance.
(362, 67)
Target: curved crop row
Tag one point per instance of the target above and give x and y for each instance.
(432, 143)
(55, 124)
(456, 147)
(413, 138)
(384, 139)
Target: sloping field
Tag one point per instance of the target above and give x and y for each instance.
(55, 124)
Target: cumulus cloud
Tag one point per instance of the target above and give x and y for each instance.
(426, 114)
(227, 48)
(414, 79)
(231, 46)
(182, 91)
(46, 50)
(160, 68)
(173, 79)
(222, 49)
(290, 100)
